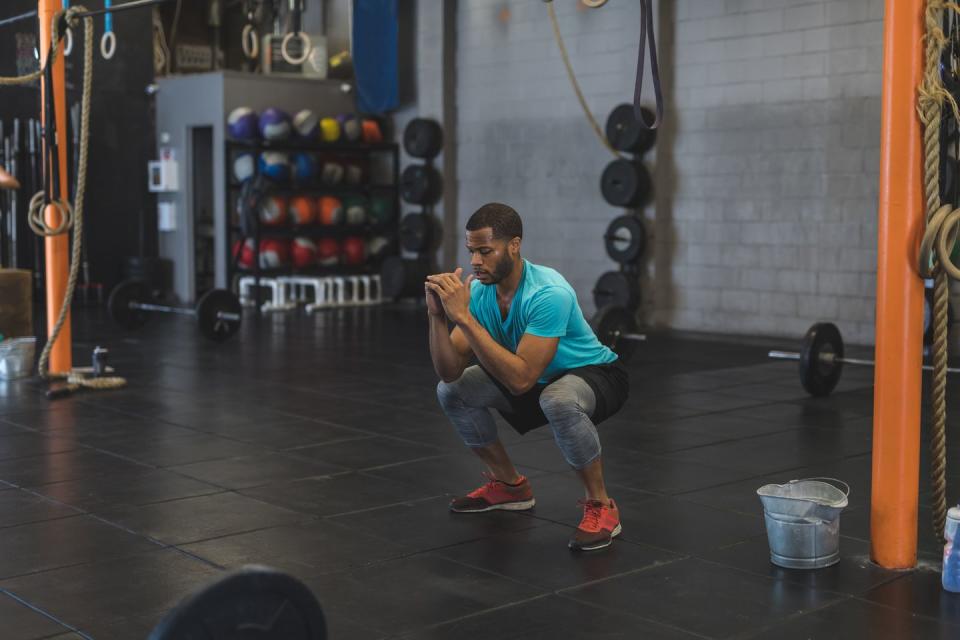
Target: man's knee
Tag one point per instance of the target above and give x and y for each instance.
(448, 392)
(556, 403)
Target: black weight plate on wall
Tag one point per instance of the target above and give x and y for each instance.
(626, 239)
(118, 304)
(416, 232)
(626, 134)
(818, 376)
(420, 184)
(402, 278)
(210, 305)
(254, 602)
(617, 288)
(423, 138)
(625, 184)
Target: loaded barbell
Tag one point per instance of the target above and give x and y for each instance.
(821, 359)
(218, 312)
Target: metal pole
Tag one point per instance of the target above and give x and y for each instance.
(56, 248)
(830, 359)
(899, 311)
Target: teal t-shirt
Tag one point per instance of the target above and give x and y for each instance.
(545, 305)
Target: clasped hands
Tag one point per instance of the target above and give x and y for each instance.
(447, 294)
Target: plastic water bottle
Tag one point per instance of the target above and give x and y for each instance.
(951, 552)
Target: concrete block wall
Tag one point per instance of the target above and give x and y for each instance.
(522, 138)
(766, 172)
(772, 223)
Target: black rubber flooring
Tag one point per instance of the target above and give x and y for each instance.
(315, 445)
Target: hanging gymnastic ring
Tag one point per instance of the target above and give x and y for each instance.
(250, 42)
(37, 222)
(108, 45)
(304, 38)
(68, 40)
(946, 240)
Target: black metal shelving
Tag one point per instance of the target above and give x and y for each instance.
(349, 150)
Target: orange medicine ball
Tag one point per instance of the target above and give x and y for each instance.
(331, 210)
(303, 210)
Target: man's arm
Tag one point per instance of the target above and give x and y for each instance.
(518, 371)
(448, 350)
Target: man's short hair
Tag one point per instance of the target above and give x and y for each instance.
(503, 220)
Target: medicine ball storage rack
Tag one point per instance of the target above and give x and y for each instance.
(244, 223)
(626, 183)
(421, 185)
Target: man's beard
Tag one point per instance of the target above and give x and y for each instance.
(502, 270)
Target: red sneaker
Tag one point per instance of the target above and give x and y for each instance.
(496, 495)
(600, 525)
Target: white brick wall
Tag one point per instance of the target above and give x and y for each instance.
(771, 221)
(791, 169)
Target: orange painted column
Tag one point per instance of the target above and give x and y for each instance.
(899, 348)
(56, 248)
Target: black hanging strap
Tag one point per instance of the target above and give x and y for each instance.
(646, 23)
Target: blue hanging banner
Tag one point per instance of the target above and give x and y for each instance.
(375, 55)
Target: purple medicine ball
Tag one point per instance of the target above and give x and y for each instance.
(242, 124)
(274, 124)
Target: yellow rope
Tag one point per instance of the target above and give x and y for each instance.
(81, 185)
(54, 44)
(576, 86)
(938, 241)
(74, 379)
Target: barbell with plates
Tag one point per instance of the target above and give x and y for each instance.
(422, 138)
(616, 327)
(420, 184)
(253, 602)
(417, 232)
(218, 312)
(618, 289)
(626, 183)
(626, 134)
(821, 359)
(625, 239)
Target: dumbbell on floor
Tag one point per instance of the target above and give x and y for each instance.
(218, 312)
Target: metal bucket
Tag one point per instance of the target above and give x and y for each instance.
(803, 521)
(16, 358)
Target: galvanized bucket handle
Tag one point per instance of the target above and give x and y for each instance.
(845, 490)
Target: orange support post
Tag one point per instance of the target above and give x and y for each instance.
(56, 248)
(899, 349)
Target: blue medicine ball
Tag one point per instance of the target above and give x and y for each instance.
(242, 124)
(304, 168)
(275, 166)
(274, 124)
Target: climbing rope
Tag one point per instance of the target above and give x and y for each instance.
(74, 378)
(938, 241)
(576, 86)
